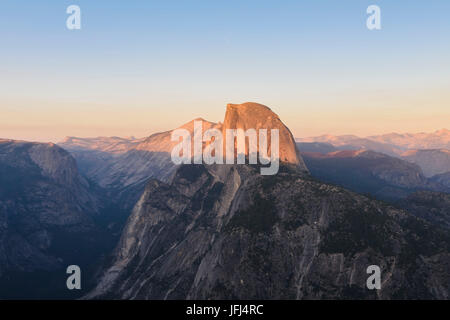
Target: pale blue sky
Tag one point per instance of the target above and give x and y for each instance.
(137, 67)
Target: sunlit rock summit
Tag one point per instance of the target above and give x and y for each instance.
(129, 163)
(256, 116)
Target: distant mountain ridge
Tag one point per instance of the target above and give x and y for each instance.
(439, 139)
(107, 144)
(120, 163)
(432, 161)
(394, 142)
(366, 171)
(431, 151)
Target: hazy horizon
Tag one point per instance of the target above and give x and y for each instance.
(132, 136)
(136, 68)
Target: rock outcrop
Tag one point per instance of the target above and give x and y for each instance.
(430, 206)
(256, 116)
(47, 217)
(227, 232)
(118, 163)
(123, 166)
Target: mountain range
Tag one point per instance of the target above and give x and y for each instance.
(371, 172)
(226, 231)
(430, 151)
(392, 142)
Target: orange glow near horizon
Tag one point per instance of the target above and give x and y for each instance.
(333, 113)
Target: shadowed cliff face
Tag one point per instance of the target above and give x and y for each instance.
(432, 161)
(363, 171)
(443, 179)
(431, 206)
(225, 231)
(48, 215)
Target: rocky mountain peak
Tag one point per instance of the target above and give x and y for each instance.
(251, 115)
(205, 125)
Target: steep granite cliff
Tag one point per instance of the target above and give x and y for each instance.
(227, 232)
(224, 231)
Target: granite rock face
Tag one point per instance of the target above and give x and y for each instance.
(123, 166)
(256, 116)
(431, 206)
(118, 163)
(43, 199)
(226, 232)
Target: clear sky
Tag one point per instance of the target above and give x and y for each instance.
(137, 67)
